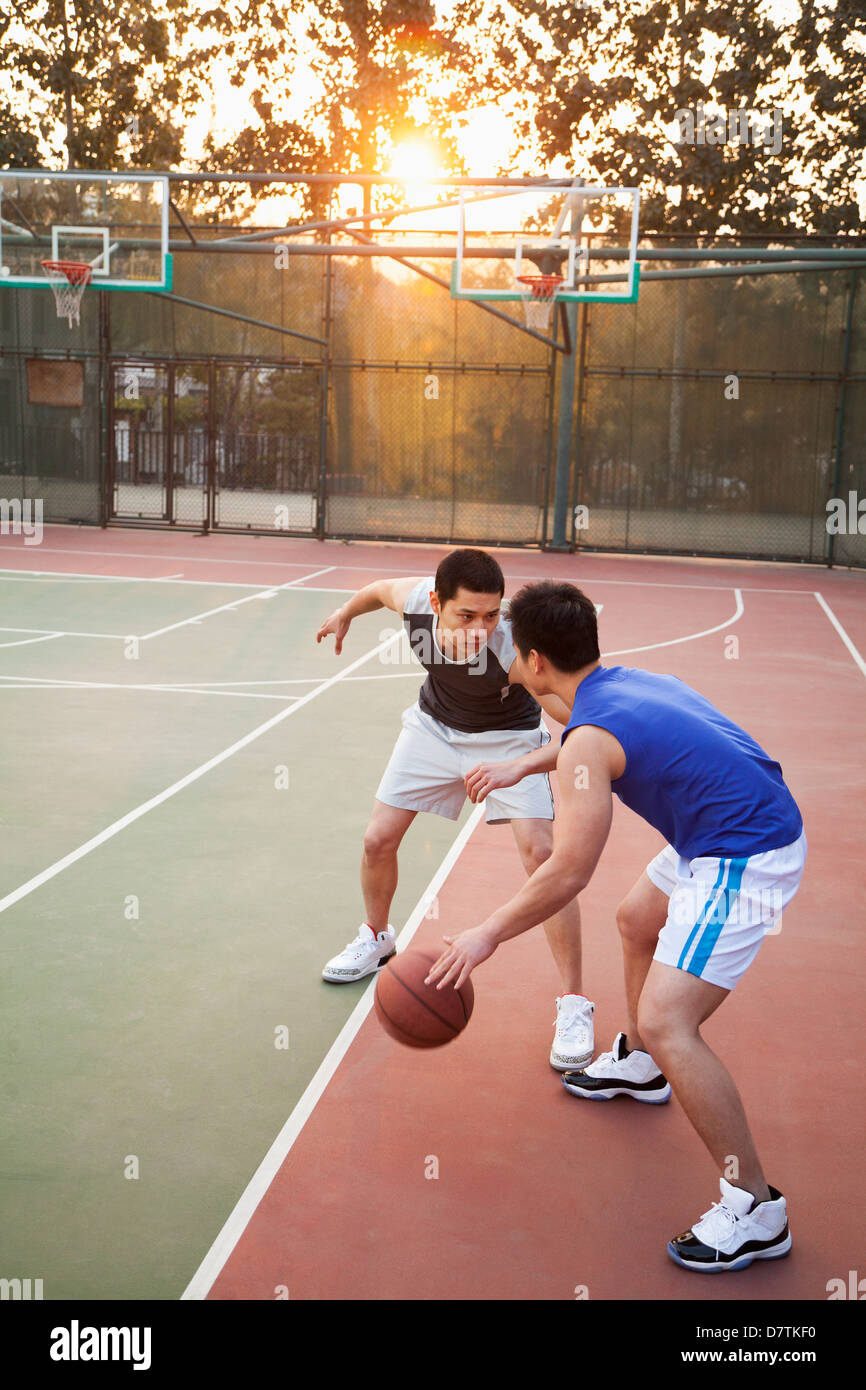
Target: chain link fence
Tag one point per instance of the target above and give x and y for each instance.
(713, 417)
(719, 416)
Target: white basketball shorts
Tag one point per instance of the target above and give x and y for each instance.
(430, 760)
(721, 909)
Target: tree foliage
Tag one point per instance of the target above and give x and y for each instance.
(597, 87)
(605, 84)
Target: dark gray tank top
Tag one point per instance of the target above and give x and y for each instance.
(473, 696)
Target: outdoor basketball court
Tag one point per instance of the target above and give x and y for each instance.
(192, 1113)
(193, 1116)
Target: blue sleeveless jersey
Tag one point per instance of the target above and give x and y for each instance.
(693, 774)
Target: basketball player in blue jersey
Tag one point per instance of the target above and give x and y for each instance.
(695, 919)
(469, 709)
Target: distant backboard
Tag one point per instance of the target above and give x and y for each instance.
(548, 229)
(118, 223)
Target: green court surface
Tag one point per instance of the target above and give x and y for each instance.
(145, 983)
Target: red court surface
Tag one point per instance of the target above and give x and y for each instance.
(541, 1195)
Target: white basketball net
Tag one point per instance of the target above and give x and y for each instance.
(538, 294)
(68, 280)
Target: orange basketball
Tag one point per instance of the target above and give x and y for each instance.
(416, 1014)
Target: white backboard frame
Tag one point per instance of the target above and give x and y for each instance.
(11, 225)
(569, 291)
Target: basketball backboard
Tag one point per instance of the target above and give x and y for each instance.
(550, 228)
(117, 223)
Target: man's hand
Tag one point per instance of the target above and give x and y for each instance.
(486, 777)
(461, 956)
(336, 626)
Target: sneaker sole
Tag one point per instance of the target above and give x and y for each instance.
(573, 1064)
(362, 974)
(778, 1252)
(645, 1099)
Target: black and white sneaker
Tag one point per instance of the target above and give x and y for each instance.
(620, 1073)
(734, 1232)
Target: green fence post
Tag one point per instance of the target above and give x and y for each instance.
(321, 499)
(105, 440)
(840, 420)
(565, 425)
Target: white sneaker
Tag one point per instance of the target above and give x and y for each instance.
(363, 956)
(573, 1041)
(734, 1232)
(620, 1073)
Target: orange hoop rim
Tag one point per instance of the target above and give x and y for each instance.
(541, 286)
(74, 272)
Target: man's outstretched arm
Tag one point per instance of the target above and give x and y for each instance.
(383, 593)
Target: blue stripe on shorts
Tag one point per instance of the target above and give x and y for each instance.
(700, 922)
(713, 929)
(712, 923)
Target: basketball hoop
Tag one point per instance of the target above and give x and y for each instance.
(538, 296)
(68, 280)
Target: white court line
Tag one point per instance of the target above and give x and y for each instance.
(60, 576)
(29, 641)
(183, 688)
(215, 1259)
(96, 840)
(172, 685)
(329, 569)
(208, 584)
(192, 559)
(199, 617)
(52, 632)
(289, 680)
(44, 683)
(267, 592)
(692, 636)
(391, 569)
(841, 631)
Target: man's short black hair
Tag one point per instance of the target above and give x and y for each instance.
(468, 569)
(556, 620)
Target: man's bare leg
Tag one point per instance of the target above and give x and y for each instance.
(382, 839)
(535, 842)
(673, 1005)
(640, 917)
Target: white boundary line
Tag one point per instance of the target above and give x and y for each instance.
(393, 569)
(52, 632)
(267, 592)
(841, 631)
(201, 687)
(37, 881)
(30, 641)
(329, 569)
(40, 683)
(215, 1259)
(60, 576)
(674, 641)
